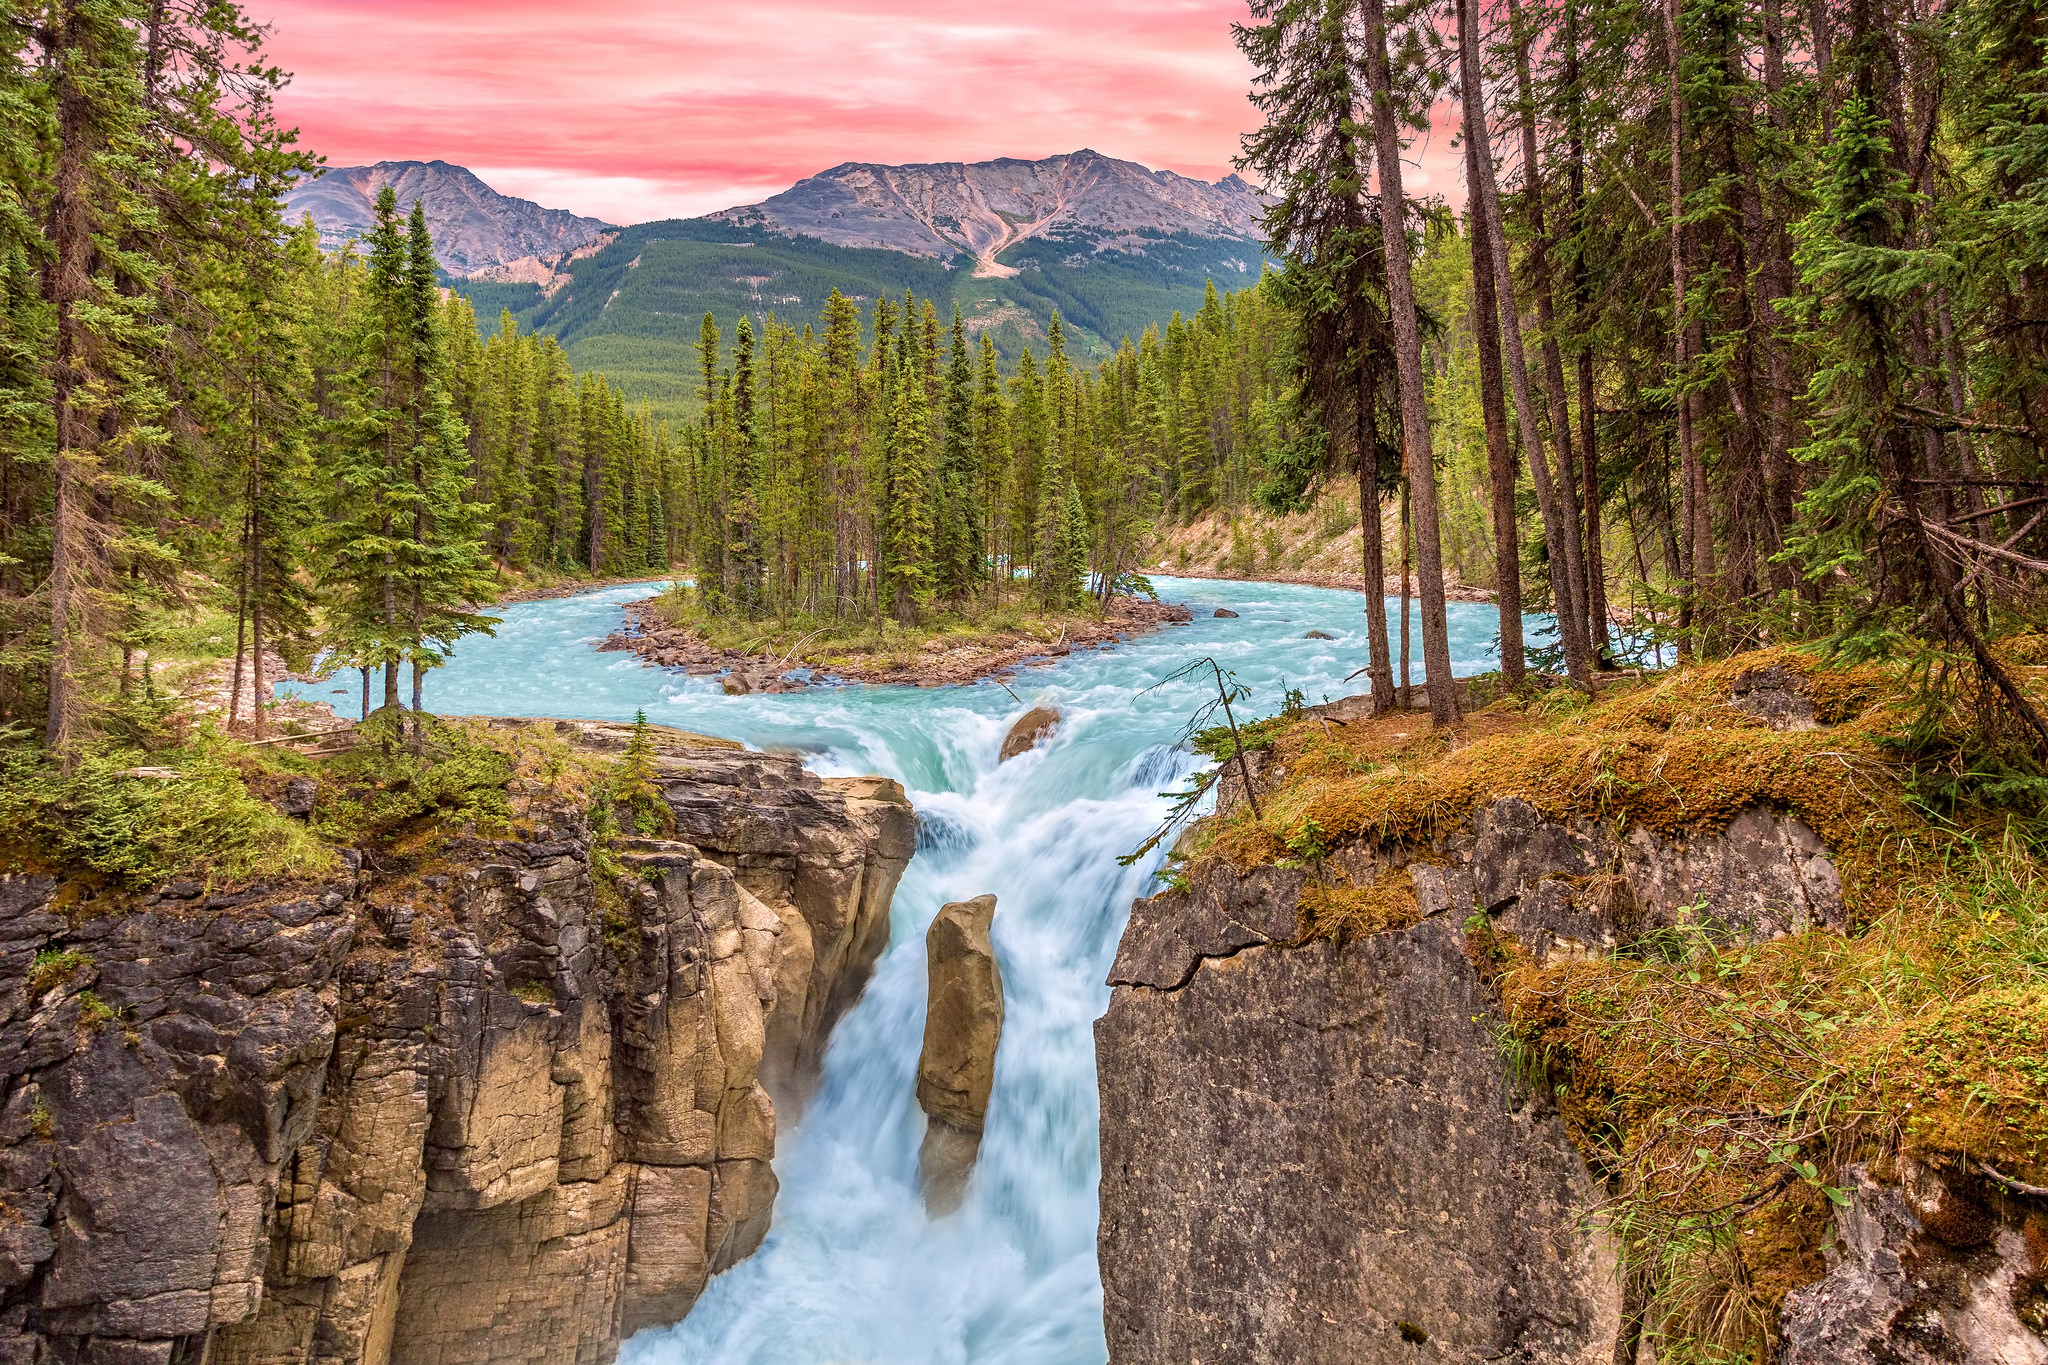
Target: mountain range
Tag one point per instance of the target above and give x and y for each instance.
(981, 209)
(1113, 245)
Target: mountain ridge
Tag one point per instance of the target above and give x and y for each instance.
(1111, 245)
(983, 208)
(475, 228)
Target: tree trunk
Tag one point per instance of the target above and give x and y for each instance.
(257, 625)
(1421, 464)
(1558, 530)
(1546, 319)
(255, 568)
(1372, 549)
(1589, 443)
(1775, 282)
(241, 621)
(256, 653)
(1500, 459)
(1407, 693)
(69, 280)
(1696, 551)
(1589, 464)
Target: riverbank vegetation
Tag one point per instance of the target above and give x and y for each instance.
(1736, 312)
(1750, 311)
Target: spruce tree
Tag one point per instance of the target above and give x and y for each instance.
(445, 567)
(957, 540)
(912, 572)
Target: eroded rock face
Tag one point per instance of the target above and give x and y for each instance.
(963, 1024)
(458, 1114)
(1572, 888)
(1314, 1152)
(1921, 1274)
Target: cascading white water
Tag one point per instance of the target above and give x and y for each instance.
(853, 1269)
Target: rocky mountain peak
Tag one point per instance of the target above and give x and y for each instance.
(475, 228)
(949, 208)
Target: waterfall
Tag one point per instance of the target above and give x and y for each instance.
(853, 1270)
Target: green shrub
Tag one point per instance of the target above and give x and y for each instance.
(144, 830)
(383, 786)
(53, 966)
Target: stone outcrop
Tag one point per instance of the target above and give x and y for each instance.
(1034, 725)
(1316, 1152)
(1924, 1272)
(472, 1108)
(963, 1024)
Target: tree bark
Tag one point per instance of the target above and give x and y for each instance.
(1407, 692)
(1500, 459)
(1696, 551)
(241, 619)
(69, 280)
(1421, 464)
(255, 600)
(1546, 323)
(1775, 282)
(1558, 530)
(1589, 424)
(1372, 547)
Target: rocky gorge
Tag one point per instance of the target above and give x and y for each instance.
(517, 1093)
(447, 1108)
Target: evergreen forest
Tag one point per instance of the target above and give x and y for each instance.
(1739, 322)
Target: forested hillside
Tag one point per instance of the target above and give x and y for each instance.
(836, 479)
(633, 309)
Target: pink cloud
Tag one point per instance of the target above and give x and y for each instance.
(636, 110)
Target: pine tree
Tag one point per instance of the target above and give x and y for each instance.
(912, 573)
(957, 540)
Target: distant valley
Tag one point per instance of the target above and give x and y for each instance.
(1114, 246)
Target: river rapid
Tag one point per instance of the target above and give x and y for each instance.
(853, 1270)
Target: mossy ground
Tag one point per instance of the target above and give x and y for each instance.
(1721, 1088)
(179, 800)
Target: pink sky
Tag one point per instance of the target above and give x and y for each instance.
(634, 110)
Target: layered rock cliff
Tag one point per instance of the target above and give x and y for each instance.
(1314, 1151)
(493, 1102)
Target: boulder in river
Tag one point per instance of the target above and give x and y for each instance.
(1227, 613)
(1036, 724)
(1319, 635)
(963, 1022)
(736, 685)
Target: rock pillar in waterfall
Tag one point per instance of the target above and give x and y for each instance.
(963, 1022)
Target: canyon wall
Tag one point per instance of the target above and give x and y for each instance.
(1316, 1151)
(456, 1107)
